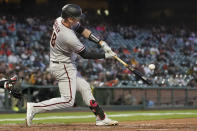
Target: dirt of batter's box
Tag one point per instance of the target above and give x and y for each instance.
(189, 124)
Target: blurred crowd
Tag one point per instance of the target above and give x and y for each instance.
(24, 50)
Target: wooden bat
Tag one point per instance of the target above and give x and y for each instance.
(132, 69)
(136, 72)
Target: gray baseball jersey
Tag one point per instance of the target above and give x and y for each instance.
(63, 44)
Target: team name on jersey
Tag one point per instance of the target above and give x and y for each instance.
(56, 26)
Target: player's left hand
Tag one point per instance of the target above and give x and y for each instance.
(110, 54)
(105, 46)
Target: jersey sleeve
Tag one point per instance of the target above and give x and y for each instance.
(72, 42)
(76, 26)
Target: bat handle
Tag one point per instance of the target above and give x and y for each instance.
(121, 61)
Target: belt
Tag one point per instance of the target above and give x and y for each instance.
(59, 62)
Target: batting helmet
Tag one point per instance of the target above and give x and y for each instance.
(72, 10)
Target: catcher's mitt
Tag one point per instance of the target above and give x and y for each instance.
(9, 85)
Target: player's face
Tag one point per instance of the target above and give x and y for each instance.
(73, 21)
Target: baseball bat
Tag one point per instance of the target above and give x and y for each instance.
(136, 72)
(132, 69)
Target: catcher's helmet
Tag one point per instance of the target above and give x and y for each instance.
(72, 10)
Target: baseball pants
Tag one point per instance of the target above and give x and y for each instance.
(68, 83)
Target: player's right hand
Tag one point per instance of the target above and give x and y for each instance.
(105, 46)
(110, 54)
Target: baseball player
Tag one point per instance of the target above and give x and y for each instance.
(9, 85)
(63, 45)
(5, 84)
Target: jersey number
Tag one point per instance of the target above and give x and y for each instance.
(53, 38)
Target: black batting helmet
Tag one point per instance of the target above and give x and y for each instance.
(72, 10)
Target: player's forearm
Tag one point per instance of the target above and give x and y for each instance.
(86, 33)
(91, 55)
(89, 35)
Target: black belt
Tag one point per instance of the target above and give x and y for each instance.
(59, 62)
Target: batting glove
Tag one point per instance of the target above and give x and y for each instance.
(105, 46)
(110, 54)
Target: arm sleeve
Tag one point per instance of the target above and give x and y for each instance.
(91, 55)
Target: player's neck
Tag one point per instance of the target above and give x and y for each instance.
(66, 24)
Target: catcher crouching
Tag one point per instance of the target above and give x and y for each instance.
(9, 84)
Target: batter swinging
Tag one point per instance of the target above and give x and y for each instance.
(63, 44)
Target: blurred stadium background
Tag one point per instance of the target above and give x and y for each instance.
(162, 32)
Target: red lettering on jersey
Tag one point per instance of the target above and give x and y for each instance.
(56, 26)
(53, 38)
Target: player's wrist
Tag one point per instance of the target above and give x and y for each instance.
(105, 46)
(93, 38)
(102, 43)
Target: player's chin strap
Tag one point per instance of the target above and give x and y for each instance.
(98, 111)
